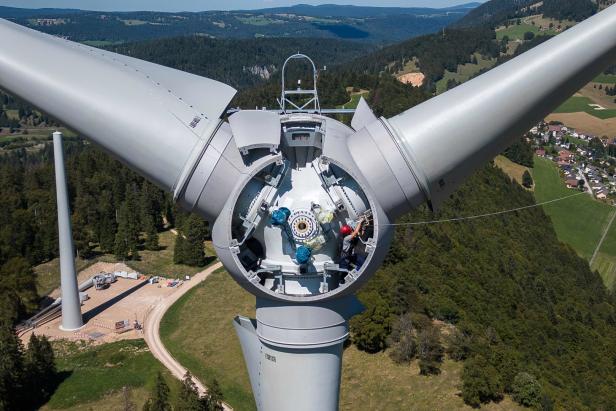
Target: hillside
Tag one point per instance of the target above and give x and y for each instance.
(524, 301)
(365, 24)
(497, 11)
(528, 302)
(209, 346)
(252, 61)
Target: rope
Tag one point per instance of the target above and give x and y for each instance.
(452, 220)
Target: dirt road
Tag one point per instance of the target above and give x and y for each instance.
(152, 325)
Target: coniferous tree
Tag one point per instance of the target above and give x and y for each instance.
(189, 399)
(127, 237)
(179, 250)
(527, 179)
(19, 285)
(214, 396)
(151, 236)
(11, 367)
(196, 230)
(120, 247)
(159, 397)
(189, 247)
(40, 369)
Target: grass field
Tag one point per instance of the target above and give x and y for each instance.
(198, 332)
(516, 32)
(577, 104)
(355, 97)
(161, 262)
(464, 72)
(94, 376)
(605, 79)
(578, 221)
(605, 261)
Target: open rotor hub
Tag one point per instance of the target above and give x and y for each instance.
(287, 219)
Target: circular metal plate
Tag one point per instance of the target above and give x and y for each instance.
(304, 225)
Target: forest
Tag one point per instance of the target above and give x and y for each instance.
(576, 10)
(253, 61)
(435, 52)
(495, 12)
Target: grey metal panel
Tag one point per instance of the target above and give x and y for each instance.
(363, 115)
(449, 136)
(374, 151)
(315, 325)
(300, 379)
(251, 348)
(119, 106)
(71, 305)
(214, 176)
(194, 90)
(255, 129)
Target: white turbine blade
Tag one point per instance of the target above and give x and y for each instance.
(155, 119)
(432, 148)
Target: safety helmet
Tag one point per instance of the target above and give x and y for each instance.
(346, 230)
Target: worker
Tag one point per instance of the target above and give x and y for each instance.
(350, 238)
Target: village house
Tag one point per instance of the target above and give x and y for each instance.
(565, 156)
(572, 183)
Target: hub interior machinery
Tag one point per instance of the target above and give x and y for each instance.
(287, 219)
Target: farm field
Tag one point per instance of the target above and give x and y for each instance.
(197, 330)
(513, 170)
(584, 122)
(577, 104)
(93, 377)
(598, 95)
(578, 221)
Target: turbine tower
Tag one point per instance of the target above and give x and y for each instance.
(280, 185)
(71, 305)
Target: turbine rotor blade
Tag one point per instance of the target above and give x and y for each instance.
(432, 148)
(155, 119)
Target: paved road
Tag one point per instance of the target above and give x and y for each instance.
(152, 325)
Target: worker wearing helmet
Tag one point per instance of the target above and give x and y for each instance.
(350, 238)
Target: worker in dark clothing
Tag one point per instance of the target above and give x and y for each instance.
(350, 238)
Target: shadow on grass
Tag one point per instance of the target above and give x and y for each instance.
(43, 391)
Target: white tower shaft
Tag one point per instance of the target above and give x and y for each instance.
(71, 306)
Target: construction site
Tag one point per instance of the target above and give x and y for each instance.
(115, 302)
